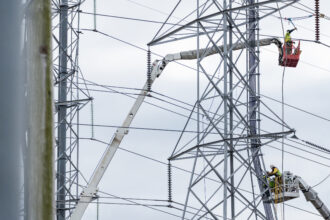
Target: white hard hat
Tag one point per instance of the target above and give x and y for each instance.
(272, 166)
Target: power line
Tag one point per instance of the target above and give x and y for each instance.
(153, 9)
(265, 96)
(137, 128)
(148, 95)
(301, 9)
(185, 131)
(322, 181)
(299, 156)
(187, 171)
(153, 206)
(323, 149)
(305, 145)
(309, 8)
(133, 200)
(303, 210)
(127, 18)
(133, 45)
(314, 145)
(282, 107)
(155, 105)
(297, 108)
(144, 205)
(292, 146)
(138, 47)
(285, 144)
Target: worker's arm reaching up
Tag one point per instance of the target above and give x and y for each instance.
(273, 172)
(290, 31)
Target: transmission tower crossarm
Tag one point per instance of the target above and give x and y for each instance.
(89, 192)
(159, 40)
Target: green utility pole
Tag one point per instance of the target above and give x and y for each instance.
(39, 184)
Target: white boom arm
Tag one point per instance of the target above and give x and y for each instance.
(192, 54)
(311, 196)
(157, 68)
(91, 189)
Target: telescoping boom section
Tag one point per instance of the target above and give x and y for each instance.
(89, 192)
(312, 196)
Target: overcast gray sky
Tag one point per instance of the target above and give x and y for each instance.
(109, 62)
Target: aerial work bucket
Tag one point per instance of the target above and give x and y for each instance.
(290, 56)
(286, 190)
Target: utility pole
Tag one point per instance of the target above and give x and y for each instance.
(39, 156)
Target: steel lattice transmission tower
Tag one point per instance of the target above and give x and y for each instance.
(69, 101)
(226, 156)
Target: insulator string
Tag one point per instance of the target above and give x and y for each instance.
(317, 20)
(149, 68)
(169, 172)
